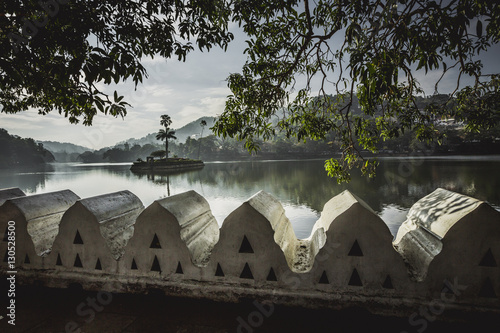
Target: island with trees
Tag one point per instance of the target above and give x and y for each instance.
(159, 161)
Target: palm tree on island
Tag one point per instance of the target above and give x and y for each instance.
(165, 165)
(167, 133)
(203, 123)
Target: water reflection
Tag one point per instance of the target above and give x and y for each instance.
(302, 186)
(28, 179)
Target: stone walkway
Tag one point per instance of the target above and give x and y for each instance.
(76, 311)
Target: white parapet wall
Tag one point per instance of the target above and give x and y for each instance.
(94, 232)
(447, 250)
(357, 255)
(451, 243)
(173, 239)
(36, 219)
(256, 246)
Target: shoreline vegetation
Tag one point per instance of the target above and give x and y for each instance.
(118, 155)
(18, 152)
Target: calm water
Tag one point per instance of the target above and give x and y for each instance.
(302, 186)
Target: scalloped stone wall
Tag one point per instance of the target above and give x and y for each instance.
(449, 245)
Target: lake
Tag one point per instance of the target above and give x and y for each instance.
(302, 186)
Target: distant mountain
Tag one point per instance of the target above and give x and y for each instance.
(194, 128)
(59, 147)
(191, 129)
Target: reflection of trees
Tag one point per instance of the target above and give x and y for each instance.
(305, 182)
(300, 182)
(162, 177)
(400, 182)
(407, 182)
(28, 179)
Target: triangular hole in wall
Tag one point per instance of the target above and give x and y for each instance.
(218, 271)
(446, 289)
(78, 262)
(155, 267)
(78, 239)
(271, 276)
(134, 265)
(324, 279)
(27, 259)
(245, 246)
(155, 244)
(355, 280)
(5, 235)
(387, 283)
(98, 265)
(246, 273)
(179, 268)
(58, 260)
(488, 259)
(487, 290)
(355, 250)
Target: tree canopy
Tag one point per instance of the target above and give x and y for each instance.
(308, 63)
(54, 54)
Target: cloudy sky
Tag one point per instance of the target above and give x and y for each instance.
(184, 90)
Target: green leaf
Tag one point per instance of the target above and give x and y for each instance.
(479, 28)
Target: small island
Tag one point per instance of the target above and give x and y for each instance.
(152, 164)
(164, 163)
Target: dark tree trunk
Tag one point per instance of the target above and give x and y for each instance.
(166, 149)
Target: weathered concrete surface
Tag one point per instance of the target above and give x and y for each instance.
(357, 255)
(173, 238)
(256, 246)
(37, 219)
(10, 193)
(94, 232)
(450, 238)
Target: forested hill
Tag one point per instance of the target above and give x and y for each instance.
(193, 128)
(64, 151)
(59, 147)
(16, 151)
